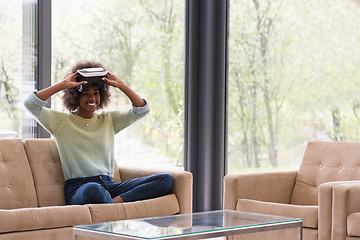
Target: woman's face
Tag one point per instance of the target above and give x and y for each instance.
(89, 102)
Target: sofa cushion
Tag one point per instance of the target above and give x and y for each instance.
(44, 234)
(45, 164)
(16, 182)
(42, 218)
(309, 214)
(325, 162)
(161, 206)
(353, 223)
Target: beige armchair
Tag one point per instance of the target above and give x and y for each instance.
(322, 192)
(345, 210)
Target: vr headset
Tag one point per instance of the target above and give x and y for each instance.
(92, 76)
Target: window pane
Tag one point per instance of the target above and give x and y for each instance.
(294, 77)
(142, 43)
(17, 66)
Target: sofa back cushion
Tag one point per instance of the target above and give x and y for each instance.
(46, 168)
(325, 162)
(16, 183)
(117, 177)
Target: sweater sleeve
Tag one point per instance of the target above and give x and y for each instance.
(48, 118)
(122, 119)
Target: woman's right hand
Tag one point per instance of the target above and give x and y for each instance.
(70, 82)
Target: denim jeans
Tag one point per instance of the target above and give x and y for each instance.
(102, 188)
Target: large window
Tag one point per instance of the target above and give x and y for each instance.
(17, 65)
(294, 77)
(143, 43)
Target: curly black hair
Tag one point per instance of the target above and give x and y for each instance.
(71, 96)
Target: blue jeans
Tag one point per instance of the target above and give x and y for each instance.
(102, 189)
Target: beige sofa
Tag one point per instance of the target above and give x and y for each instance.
(322, 192)
(32, 204)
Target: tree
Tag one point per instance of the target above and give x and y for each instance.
(9, 96)
(294, 72)
(165, 20)
(10, 65)
(261, 77)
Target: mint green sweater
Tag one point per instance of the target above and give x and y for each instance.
(86, 146)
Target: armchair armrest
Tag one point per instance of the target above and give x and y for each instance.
(345, 201)
(264, 186)
(325, 213)
(182, 183)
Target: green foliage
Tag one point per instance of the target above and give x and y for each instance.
(302, 55)
(10, 64)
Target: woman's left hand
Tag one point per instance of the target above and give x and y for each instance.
(114, 81)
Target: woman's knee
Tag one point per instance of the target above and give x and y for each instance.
(92, 188)
(95, 193)
(168, 181)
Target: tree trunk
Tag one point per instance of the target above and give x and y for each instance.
(338, 135)
(263, 30)
(245, 142)
(254, 127)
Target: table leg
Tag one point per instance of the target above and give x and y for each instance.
(300, 232)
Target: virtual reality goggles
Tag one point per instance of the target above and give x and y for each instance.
(92, 76)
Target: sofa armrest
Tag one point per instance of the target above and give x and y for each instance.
(25, 219)
(345, 201)
(262, 186)
(182, 183)
(325, 213)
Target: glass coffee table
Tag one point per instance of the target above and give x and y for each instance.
(200, 225)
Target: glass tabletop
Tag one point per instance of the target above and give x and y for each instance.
(187, 224)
